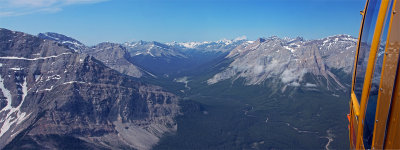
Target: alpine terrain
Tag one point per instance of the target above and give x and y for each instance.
(271, 93)
(56, 98)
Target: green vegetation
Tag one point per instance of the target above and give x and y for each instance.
(229, 115)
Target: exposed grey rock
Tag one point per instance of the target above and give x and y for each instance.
(223, 45)
(289, 60)
(112, 55)
(65, 40)
(168, 60)
(153, 49)
(49, 89)
(116, 57)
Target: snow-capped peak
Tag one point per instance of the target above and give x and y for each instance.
(65, 40)
(225, 41)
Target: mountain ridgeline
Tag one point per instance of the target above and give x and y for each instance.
(271, 93)
(56, 98)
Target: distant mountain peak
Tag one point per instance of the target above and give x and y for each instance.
(342, 37)
(290, 59)
(260, 40)
(223, 45)
(57, 37)
(47, 89)
(65, 40)
(153, 49)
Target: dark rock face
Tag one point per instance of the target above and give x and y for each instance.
(48, 91)
(112, 55)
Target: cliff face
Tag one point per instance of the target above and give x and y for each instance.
(116, 57)
(289, 60)
(48, 89)
(112, 55)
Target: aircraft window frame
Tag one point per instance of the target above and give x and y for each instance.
(371, 105)
(367, 33)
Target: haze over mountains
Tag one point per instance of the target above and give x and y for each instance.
(289, 60)
(272, 93)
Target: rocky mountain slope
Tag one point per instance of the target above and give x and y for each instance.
(240, 88)
(144, 58)
(273, 93)
(65, 40)
(289, 60)
(171, 59)
(116, 57)
(154, 49)
(112, 55)
(223, 45)
(53, 97)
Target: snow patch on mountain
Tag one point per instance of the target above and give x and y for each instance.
(65, 40)
(153, 49)
(223, 45)
(289, 59)
(12, 114)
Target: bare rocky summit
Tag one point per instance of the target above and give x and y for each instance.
(57, 93)
(52, 96)
(112, 55)
(289, 60)
(116, 57)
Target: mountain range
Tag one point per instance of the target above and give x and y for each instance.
(144, 95)
(52, 94)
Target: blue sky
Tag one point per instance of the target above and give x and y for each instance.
(95, 21)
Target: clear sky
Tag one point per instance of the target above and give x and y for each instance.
(95, 21)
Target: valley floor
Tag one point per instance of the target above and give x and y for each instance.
(247, 117)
